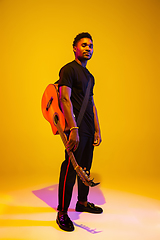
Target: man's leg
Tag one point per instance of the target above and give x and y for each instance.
(68, 176)
(66, 183)
(86, 161)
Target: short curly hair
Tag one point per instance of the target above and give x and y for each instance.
(81, 35)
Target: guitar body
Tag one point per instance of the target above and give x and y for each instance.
(50, 107)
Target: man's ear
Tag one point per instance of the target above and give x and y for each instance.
(74, 49)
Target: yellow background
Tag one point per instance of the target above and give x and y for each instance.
(36, 41)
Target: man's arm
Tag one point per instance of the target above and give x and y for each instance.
(97, 134)
(67, 109)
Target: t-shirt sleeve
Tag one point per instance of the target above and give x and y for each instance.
(66, 76)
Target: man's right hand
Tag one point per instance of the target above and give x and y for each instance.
(73, 141)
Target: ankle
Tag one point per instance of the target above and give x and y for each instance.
(83, 203)
(60, 213)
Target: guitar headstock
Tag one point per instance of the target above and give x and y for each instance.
(85, 178)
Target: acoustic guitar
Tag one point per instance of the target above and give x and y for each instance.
(53, 114)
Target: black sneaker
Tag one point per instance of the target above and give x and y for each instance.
(65, 223)
(91, 208)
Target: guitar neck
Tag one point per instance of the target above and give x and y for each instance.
(64, 140)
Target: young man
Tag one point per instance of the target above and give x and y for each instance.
(74, 78)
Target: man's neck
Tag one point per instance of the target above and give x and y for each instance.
(82, 63)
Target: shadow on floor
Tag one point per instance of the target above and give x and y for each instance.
(49, 195)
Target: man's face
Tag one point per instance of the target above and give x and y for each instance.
(84, 49)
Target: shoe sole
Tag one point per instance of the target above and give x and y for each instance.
(89, 212)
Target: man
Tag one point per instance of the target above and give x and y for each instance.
(74, 78)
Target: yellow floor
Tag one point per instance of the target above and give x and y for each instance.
(29, 213)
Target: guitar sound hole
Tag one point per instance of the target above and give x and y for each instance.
(56, 119)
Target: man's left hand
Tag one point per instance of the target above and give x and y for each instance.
(97, 139)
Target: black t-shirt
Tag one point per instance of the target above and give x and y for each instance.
(76, 77)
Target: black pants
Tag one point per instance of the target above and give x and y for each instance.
(83, 156)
